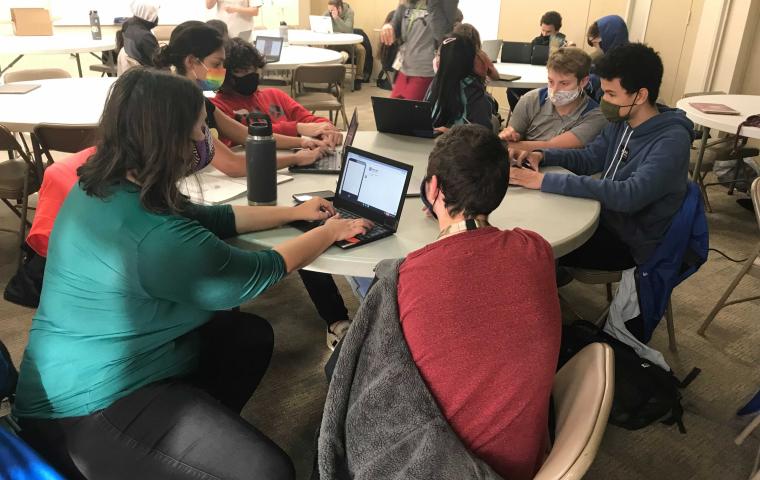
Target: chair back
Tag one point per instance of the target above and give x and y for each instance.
(582, 393)
(35, 74)
(8, 142)
(61, 138)
(330, 77)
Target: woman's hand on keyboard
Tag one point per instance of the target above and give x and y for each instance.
(315, 209)
(324, 131)
(347, 228)
(307, 156)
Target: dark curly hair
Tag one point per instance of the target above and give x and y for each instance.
(552, 18)
(472, 169)
(189, 38)
(636, 65)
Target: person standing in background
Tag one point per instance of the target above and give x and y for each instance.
(237, 14)
(420, 25)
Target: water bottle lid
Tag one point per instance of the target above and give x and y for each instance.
(260, 125)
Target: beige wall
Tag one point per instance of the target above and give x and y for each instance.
(682, 74)
(751, 82)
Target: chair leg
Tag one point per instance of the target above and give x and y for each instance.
(24, 208)
(703, 189)
(755, 423)
(671, 328)
(721, 303)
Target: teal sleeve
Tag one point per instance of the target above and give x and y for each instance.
(219, 219)
(183, 262)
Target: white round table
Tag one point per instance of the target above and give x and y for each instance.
(531, 76)
(295, 55)
(307, 37)
(746, 104)
(67, 101)
(565, 222)
(58, 43)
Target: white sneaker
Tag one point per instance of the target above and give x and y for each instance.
(337, 333)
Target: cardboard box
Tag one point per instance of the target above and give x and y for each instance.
(31, 21)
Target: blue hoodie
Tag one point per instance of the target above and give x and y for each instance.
(613, 31)
(644, 173)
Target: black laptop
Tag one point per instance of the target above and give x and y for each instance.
(369, 186)
(270, 47)
(330, 164)
(516, 52)
(404, 117)
(539, 55)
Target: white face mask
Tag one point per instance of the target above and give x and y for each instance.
(563, 97)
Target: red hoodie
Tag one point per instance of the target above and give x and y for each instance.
(285, 112)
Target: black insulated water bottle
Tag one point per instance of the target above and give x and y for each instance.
(261, 161)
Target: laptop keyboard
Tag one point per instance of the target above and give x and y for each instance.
(331, 161)
(374, 232)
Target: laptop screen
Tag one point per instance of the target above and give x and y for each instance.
(353, 126)
(269, 46)
(320, 24)
(372, 184)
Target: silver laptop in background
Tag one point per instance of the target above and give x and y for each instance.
(331, 163)
(270, 48)
(320, 24)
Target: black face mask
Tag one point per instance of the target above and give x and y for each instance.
(246, 85)
(423, 197)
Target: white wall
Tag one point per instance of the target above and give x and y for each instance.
(483, 15)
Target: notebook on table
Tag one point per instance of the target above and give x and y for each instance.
(714, 108)
(369, 186)
(18, 88)
(270, 47)
(212, 187)
(331, 163)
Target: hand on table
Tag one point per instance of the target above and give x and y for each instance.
(518, 157)
(525, 177)
(387, 35)
(315, 209)
(441, 129)
(346, 228)
(324, 131)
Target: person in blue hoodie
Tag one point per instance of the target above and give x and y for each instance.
(642, 159)
(605, 34)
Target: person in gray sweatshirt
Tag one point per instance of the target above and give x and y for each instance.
(642, 158)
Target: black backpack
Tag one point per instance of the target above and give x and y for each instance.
(8, 375)
(644, 392)
(25, 287)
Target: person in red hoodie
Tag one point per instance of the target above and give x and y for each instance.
(240, 95)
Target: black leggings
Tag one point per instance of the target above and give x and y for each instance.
(177, 428)
(325, 296)
(603, 251)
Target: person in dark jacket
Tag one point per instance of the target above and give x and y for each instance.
(642, 156)
(138, 41)
(605, 34)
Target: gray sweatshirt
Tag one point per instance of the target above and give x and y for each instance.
(421, 25)
(345, 21)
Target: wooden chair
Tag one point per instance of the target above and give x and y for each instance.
(35, 74)
(582, 394)
(601, 277)
(19, 178)
(750, 267)
(320, 87)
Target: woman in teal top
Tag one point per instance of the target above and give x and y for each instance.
(129, 373)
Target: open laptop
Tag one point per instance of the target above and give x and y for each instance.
(516, 52)
(270, 47)
(404, 117)
(330, 164)
(320, 24)
(371, 187)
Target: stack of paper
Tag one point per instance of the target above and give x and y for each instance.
(212, 187)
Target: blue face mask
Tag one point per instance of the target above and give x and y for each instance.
(423, 197)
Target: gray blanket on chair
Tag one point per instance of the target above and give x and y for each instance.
(380, 420)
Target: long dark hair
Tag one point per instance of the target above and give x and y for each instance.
(145, 130)
(189, 38)
(457, 59)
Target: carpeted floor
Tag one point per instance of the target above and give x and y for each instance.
(288, 404)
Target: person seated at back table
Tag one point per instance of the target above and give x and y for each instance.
(642, 156)
(196, 51)
(342, 16)
(240, 95)
(135, 41)
(484, 67)
(604, 35)
(560, 115)
(486, 351)
(135, 367)
(550, 24)
(458, 95)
